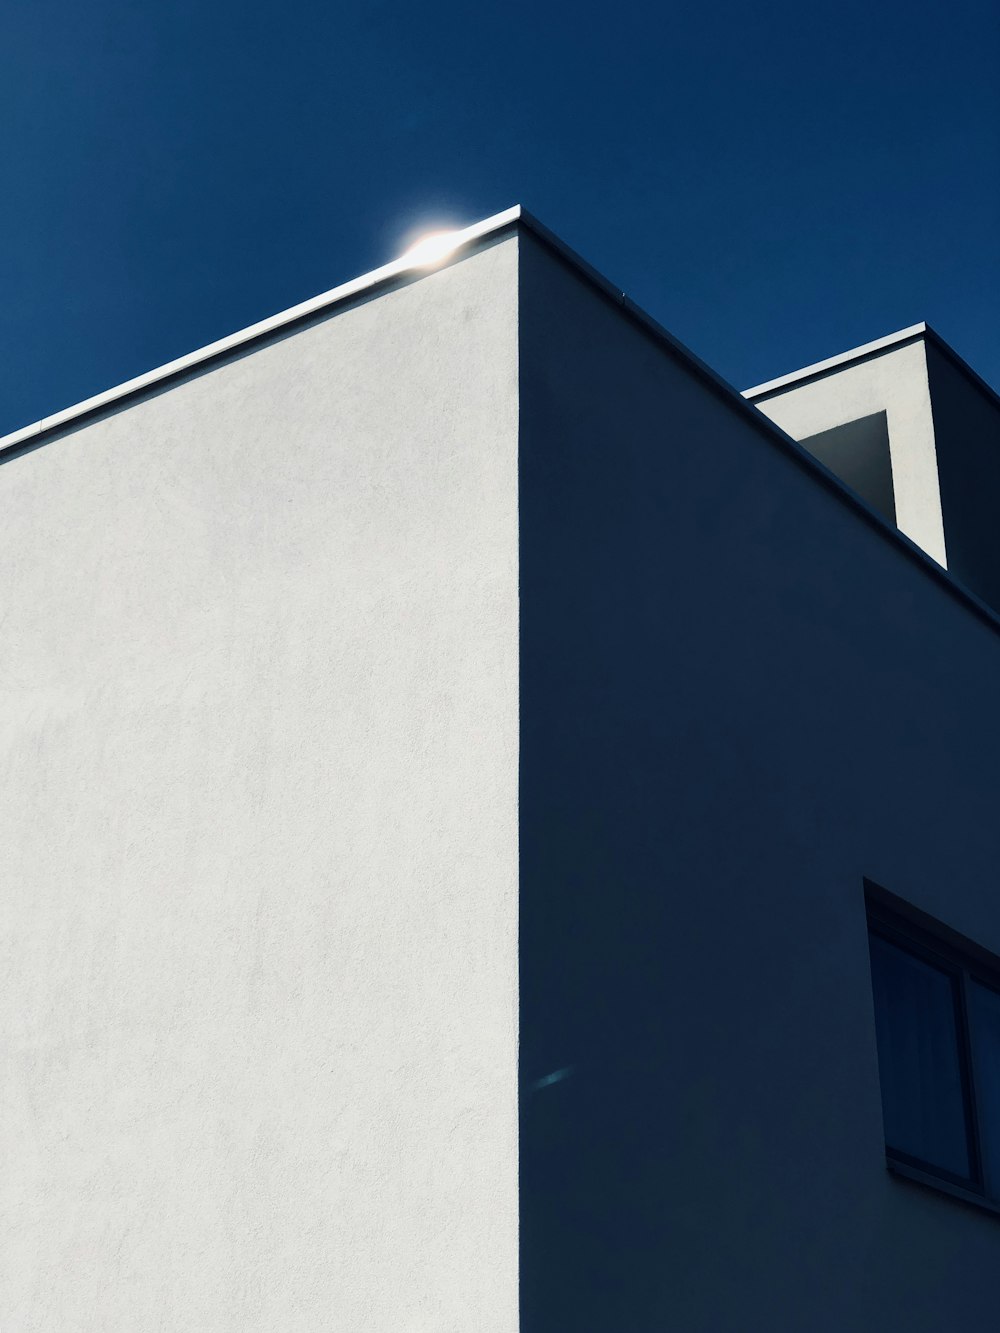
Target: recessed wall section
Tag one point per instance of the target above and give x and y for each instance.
(858, 453)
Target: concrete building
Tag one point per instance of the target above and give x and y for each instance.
(916, 433)
(465, 769)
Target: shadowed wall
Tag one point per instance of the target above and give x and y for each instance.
(738, 698)
(967, 426)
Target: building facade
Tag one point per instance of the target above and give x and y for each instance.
(456, 753)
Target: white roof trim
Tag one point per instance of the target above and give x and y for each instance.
(346, 290)
(820, 367)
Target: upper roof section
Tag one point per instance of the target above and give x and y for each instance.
(412, 264)
(915, 432)
(821, 368)
(902, 422)
(367, 284)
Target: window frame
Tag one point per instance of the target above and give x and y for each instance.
(963, 961)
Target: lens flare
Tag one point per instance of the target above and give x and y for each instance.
(432, 248)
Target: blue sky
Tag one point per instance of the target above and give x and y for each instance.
(773, 183)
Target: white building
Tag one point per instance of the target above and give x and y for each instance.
(451, 683)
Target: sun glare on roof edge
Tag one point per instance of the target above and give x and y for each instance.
(432, 248)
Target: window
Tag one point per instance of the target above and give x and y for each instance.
(937, 1026)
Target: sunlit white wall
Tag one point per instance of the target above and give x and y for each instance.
(258, 741)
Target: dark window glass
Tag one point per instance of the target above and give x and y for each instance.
(984, 1022)
(918, 1051)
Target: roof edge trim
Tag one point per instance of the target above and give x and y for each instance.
(397, 268)
(834, 362)
(28, 437)
(764, 426)
(799, 378)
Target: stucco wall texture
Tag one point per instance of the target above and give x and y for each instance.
(258, 836)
